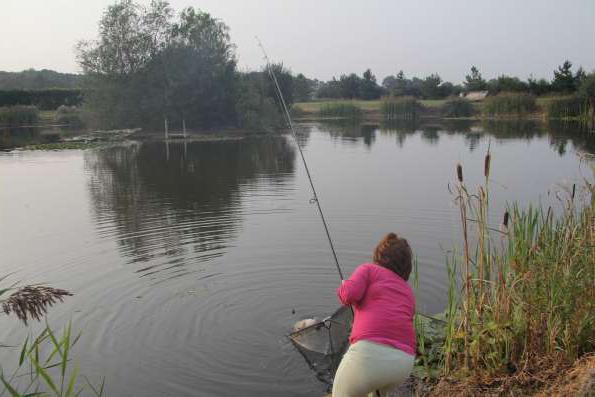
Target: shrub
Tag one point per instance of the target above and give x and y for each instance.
(19, 115)
(566, 107)
(70, 115)
(509, 104)
(401, 108)
(457, 107)
(340, 109)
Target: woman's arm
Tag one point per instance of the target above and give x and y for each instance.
(353, 290)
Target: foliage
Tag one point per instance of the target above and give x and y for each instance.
(45, 367)
(506, 84)
(48, 99)
(18, 115)
(400, 108)
(572, 106)
(341, 110)
(257, 111)
(351, 87)
(509, 104)
(431, 87)
(564, 80)
(303, 88)
(457, 107)
(32, 79)
(70, 115)
(146, 67)
(527, 288)
(474, 81)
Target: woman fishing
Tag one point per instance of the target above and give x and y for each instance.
(382, 341)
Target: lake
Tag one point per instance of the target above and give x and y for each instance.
(190, 261)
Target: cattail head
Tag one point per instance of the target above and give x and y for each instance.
(573, 190)
(33, 301)
(486, 165)
(505, 220)
(460, 172)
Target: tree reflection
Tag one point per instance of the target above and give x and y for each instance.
(171, 205)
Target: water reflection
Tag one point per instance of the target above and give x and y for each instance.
(559, 133)
(21, 136)
(171, 205)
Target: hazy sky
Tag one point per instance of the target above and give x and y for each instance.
(323, 38)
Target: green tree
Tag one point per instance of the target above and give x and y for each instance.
(564, 80)
(474, 81)
(368, 87)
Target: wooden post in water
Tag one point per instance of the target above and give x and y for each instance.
(166, 131)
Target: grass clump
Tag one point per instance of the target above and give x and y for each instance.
(526, 303)
(18, 115)
(509, 104)
(457, 107)
(568, 107)
(401, 108)
(340, 110)
(70, 115)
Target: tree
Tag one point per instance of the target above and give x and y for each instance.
(564, 81)
(350, 86)
(369, 89)
(303, 88)
(145, 67)
(430, 87)
(474, 81)
(506, 84)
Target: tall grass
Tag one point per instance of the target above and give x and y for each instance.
(70, 115)
(457, 107)
(340, 110)
(18, 115)
(401, 108)
(509, 104)
(527, 291)
(45, 363)
(570, 108)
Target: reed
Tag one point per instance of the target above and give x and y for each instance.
(570, 108)
(70, 115)
(18, 115)
(509, 105)
(527, 295)
(457, 107)
(340, 110)
(401, 108)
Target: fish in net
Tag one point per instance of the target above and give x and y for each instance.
(323, 342)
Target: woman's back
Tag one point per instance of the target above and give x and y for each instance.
(384, 307)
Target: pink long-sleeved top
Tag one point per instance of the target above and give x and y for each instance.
(384, 306)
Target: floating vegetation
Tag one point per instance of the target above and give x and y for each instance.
(62, 145)
(457, 107)
(341, 110)
(401, 108)
(18, 115)
(509, 104)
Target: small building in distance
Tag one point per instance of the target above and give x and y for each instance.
(474, 95)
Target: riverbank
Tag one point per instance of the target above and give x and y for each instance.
(372, 110)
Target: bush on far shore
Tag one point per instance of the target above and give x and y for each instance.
(18, 115)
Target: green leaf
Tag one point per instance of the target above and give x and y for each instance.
(73, 377)
(10, 389)
(23, 352)
(46, 377)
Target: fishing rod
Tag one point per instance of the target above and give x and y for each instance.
(315, 199)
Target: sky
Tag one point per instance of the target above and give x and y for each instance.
(326, 38)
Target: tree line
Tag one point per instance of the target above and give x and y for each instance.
(352, 86)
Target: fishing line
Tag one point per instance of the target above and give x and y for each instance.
(314, 199)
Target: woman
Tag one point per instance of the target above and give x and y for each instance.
(382, 339)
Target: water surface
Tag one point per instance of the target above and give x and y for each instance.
(190, 262)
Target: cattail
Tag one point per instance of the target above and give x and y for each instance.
(460, 172)
(573, 190)
(505, 220)
(486, 165)
(33, 301)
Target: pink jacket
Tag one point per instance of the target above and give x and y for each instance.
(384, 306)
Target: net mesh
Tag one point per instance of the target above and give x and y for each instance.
(324, 343)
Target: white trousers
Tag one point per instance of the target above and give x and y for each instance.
(368, 366)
